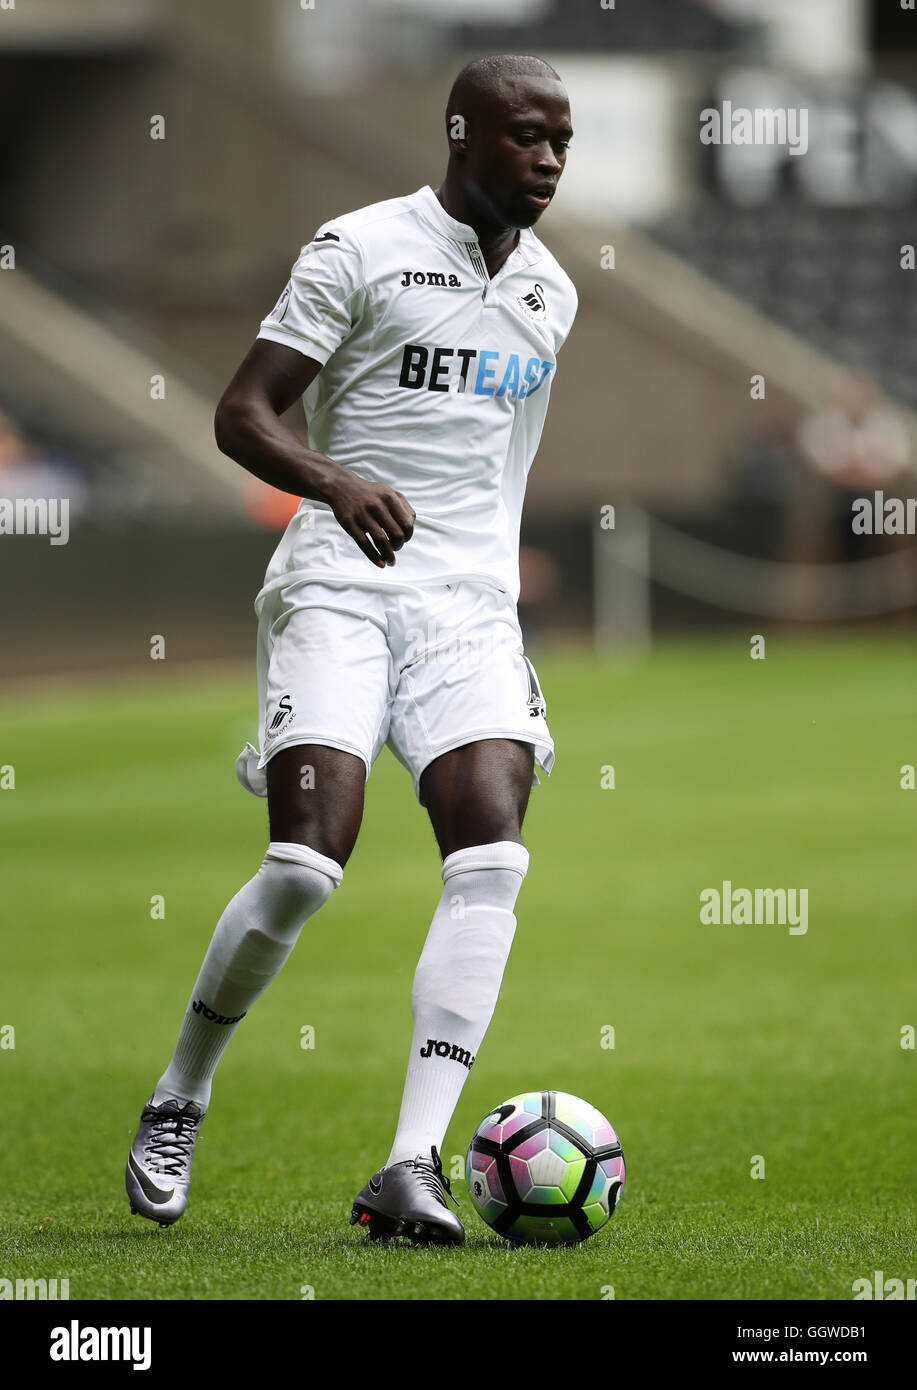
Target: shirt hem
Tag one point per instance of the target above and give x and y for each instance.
(330, 576)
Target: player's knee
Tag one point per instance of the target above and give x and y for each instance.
(490, 872)
(463, 960)
(323, 834)
(494, 819)
(302, 880)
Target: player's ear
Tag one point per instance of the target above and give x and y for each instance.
(456, 132)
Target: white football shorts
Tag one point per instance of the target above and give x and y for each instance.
(424, 670)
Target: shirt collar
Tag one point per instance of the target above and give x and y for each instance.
(437, 214)
(432, 209)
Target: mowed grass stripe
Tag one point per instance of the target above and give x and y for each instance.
(729, 1041)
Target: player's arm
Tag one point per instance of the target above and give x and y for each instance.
(249, 430)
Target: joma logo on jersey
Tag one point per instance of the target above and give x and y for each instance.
(445, 1049)
(430, 277)
(465, 370)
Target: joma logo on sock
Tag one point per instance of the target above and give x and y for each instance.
(452, 1050)
(200, 1007)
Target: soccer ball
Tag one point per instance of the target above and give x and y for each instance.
(545, 1168)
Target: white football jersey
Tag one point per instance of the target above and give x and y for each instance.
(435, 380)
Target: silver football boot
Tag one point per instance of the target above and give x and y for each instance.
(158, 1172)
(408, 1200)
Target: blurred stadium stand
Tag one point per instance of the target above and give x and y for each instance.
(137, 258)
(650, 26)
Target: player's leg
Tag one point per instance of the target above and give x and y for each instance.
(312, 835)
(478, 793)
(468, 721)
(315, 802)
(476, 796)
(313, 830)
(315, 797)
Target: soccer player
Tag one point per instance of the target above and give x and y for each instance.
(422, 333)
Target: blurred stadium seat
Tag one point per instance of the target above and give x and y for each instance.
(138, 258)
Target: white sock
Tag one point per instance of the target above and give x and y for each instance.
(251, 943)
(456, 986)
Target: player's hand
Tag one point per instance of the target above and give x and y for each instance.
(374, 515)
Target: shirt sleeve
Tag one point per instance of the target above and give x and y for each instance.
(324, 299)
(570, 307)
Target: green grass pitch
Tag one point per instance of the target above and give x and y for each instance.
(730, 1041)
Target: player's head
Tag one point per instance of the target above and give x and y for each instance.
(508, 125)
